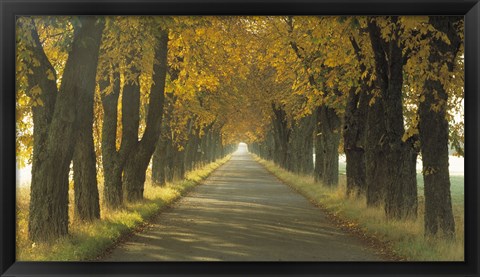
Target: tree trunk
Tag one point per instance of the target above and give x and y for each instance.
(113, 160)
(433, 131)
(354, 141)
(48, 218)
(330, 126)
(190, 148)
(211, 146)
(375, 160)
(319, 147)
(112, 173)
(203, 147)
(354, 132)
(301, 143)
(42, 117)
(401, 199)
(159, 162)
(267, 146)
(282, 136)
(400, 157)
(162, 160)
(87, 205)
(295, 153)
(178, 163)
(218, 144)
(138, 160)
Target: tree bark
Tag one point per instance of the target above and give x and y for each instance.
(138, 160)
(42, 117)
(330, 126)
(354, 130)
(48, 218)
(400, 157)
(178, 163)
(112, 186)
(210, 146)
(191, 147)
(267, 146)
(301, 143)
(319, 147)
(87, 205)
(162, 160)
(433, 131)
(281, 136)
(375, 160)
(113, 160)
(159, 162)
(354, 141)
(204, 146)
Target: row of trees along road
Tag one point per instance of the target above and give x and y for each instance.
(381, 89)
(114, 96)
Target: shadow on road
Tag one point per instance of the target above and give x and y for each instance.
(242, 213)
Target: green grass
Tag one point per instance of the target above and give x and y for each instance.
(87, 241)
(405, 238)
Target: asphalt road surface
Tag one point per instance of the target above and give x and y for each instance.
(242, 213)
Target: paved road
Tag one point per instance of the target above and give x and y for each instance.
(242, 213)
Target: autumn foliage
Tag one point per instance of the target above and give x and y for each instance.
(119, 95)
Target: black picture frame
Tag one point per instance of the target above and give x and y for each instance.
(9, 9)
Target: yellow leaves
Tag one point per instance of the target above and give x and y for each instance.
(215, 61)
(330, 83)
(330, 62)
(35, 91)
(387, 28)
(35, 62)
(37, 102)
(436, 107)
(200, 31)
(35, 96)
(413, 130)
(442, 36)
(413, 22)
(350, 225)
(50, 75)
(22, 101)
(24, 147)
(56, 34)
(364, 74)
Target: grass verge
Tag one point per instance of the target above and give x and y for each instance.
(87, 241)
(404, 238)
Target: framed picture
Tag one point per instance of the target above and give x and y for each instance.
(256, 138)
